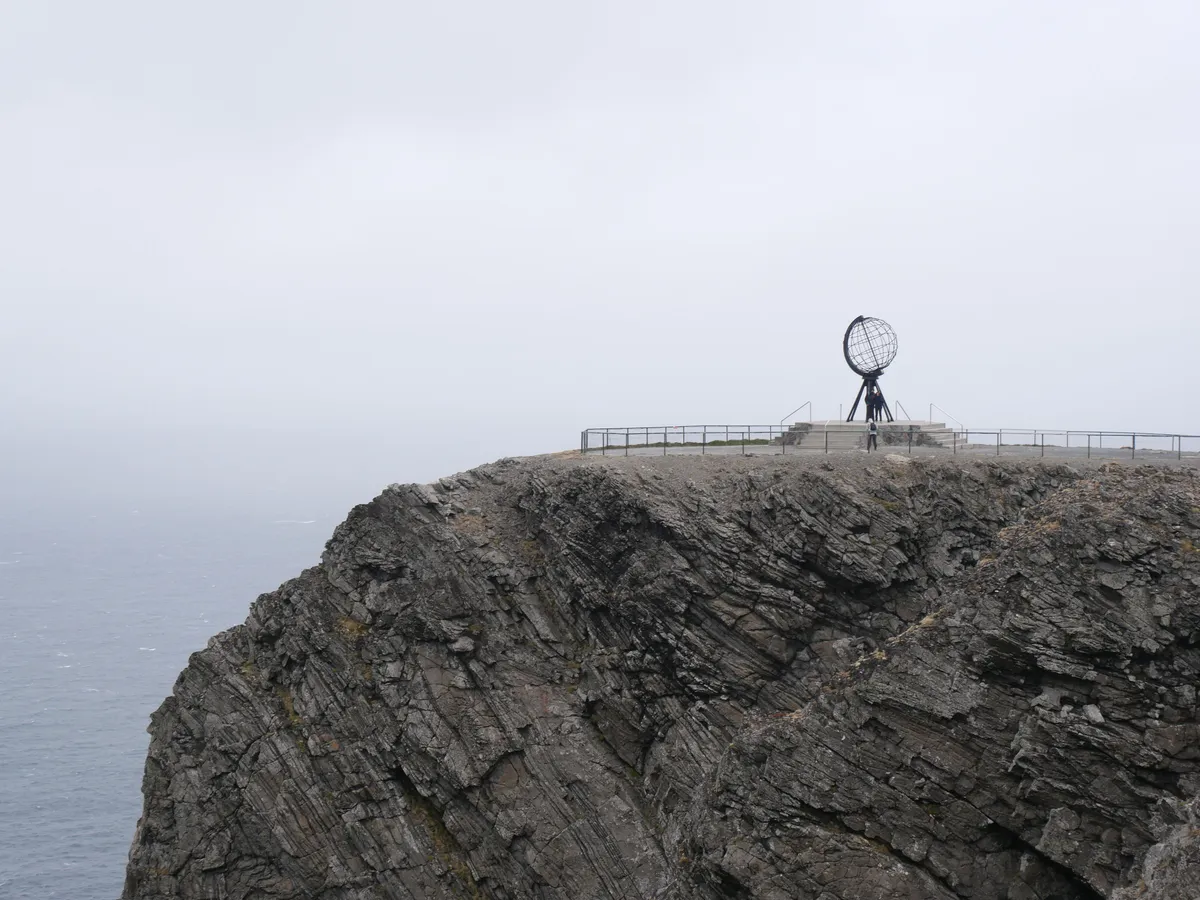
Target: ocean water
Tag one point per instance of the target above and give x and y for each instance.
(99, 609)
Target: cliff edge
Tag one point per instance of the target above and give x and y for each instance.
(774, 677)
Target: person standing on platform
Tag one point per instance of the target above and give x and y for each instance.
(874, 404)
(872, 435)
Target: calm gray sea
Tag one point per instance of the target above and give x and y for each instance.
(99, 610)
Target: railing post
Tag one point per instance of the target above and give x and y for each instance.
(1089, 456)
(998, 433)
(910, 440)
(955, 434)
(1043, 445)
(744, 442)
(626, 441)
(664, 440)
(826, 437)
(1133, 447)
(583, 443)
(604, 449)
(1179, 446)
(704, 440)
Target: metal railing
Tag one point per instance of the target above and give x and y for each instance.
(807, 403)
(835, 436)
(1086, 444)
(933, 406)
(687, 438)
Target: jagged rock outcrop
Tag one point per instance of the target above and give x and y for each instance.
(702, 678)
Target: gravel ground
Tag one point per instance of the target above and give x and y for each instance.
(973, 451)
(681, 466)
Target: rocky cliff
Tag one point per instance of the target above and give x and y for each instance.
(565, 679)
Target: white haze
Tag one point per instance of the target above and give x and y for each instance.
(312, 248)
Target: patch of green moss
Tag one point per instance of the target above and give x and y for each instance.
(352, 628)
(289, 707)
(445, 845)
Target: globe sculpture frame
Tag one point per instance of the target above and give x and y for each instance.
(869, 346)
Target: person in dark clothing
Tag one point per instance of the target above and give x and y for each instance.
(872, 435)
(874, 404)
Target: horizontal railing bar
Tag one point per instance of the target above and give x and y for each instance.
(1046, 431)
(621, 429)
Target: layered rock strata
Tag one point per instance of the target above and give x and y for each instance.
(705, 678)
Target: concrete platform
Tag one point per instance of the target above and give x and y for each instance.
(836, 435)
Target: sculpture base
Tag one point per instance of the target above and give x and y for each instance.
(838, 435)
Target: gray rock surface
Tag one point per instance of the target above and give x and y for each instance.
(836, 679)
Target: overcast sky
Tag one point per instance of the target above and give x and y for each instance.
(396, 239)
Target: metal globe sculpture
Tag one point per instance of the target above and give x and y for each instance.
(870, 346)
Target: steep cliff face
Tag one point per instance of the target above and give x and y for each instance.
(705, 678)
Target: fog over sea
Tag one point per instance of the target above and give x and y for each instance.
(116, 564)
(100, 612)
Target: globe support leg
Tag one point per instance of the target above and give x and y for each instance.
(854, 408)
(870, 384)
